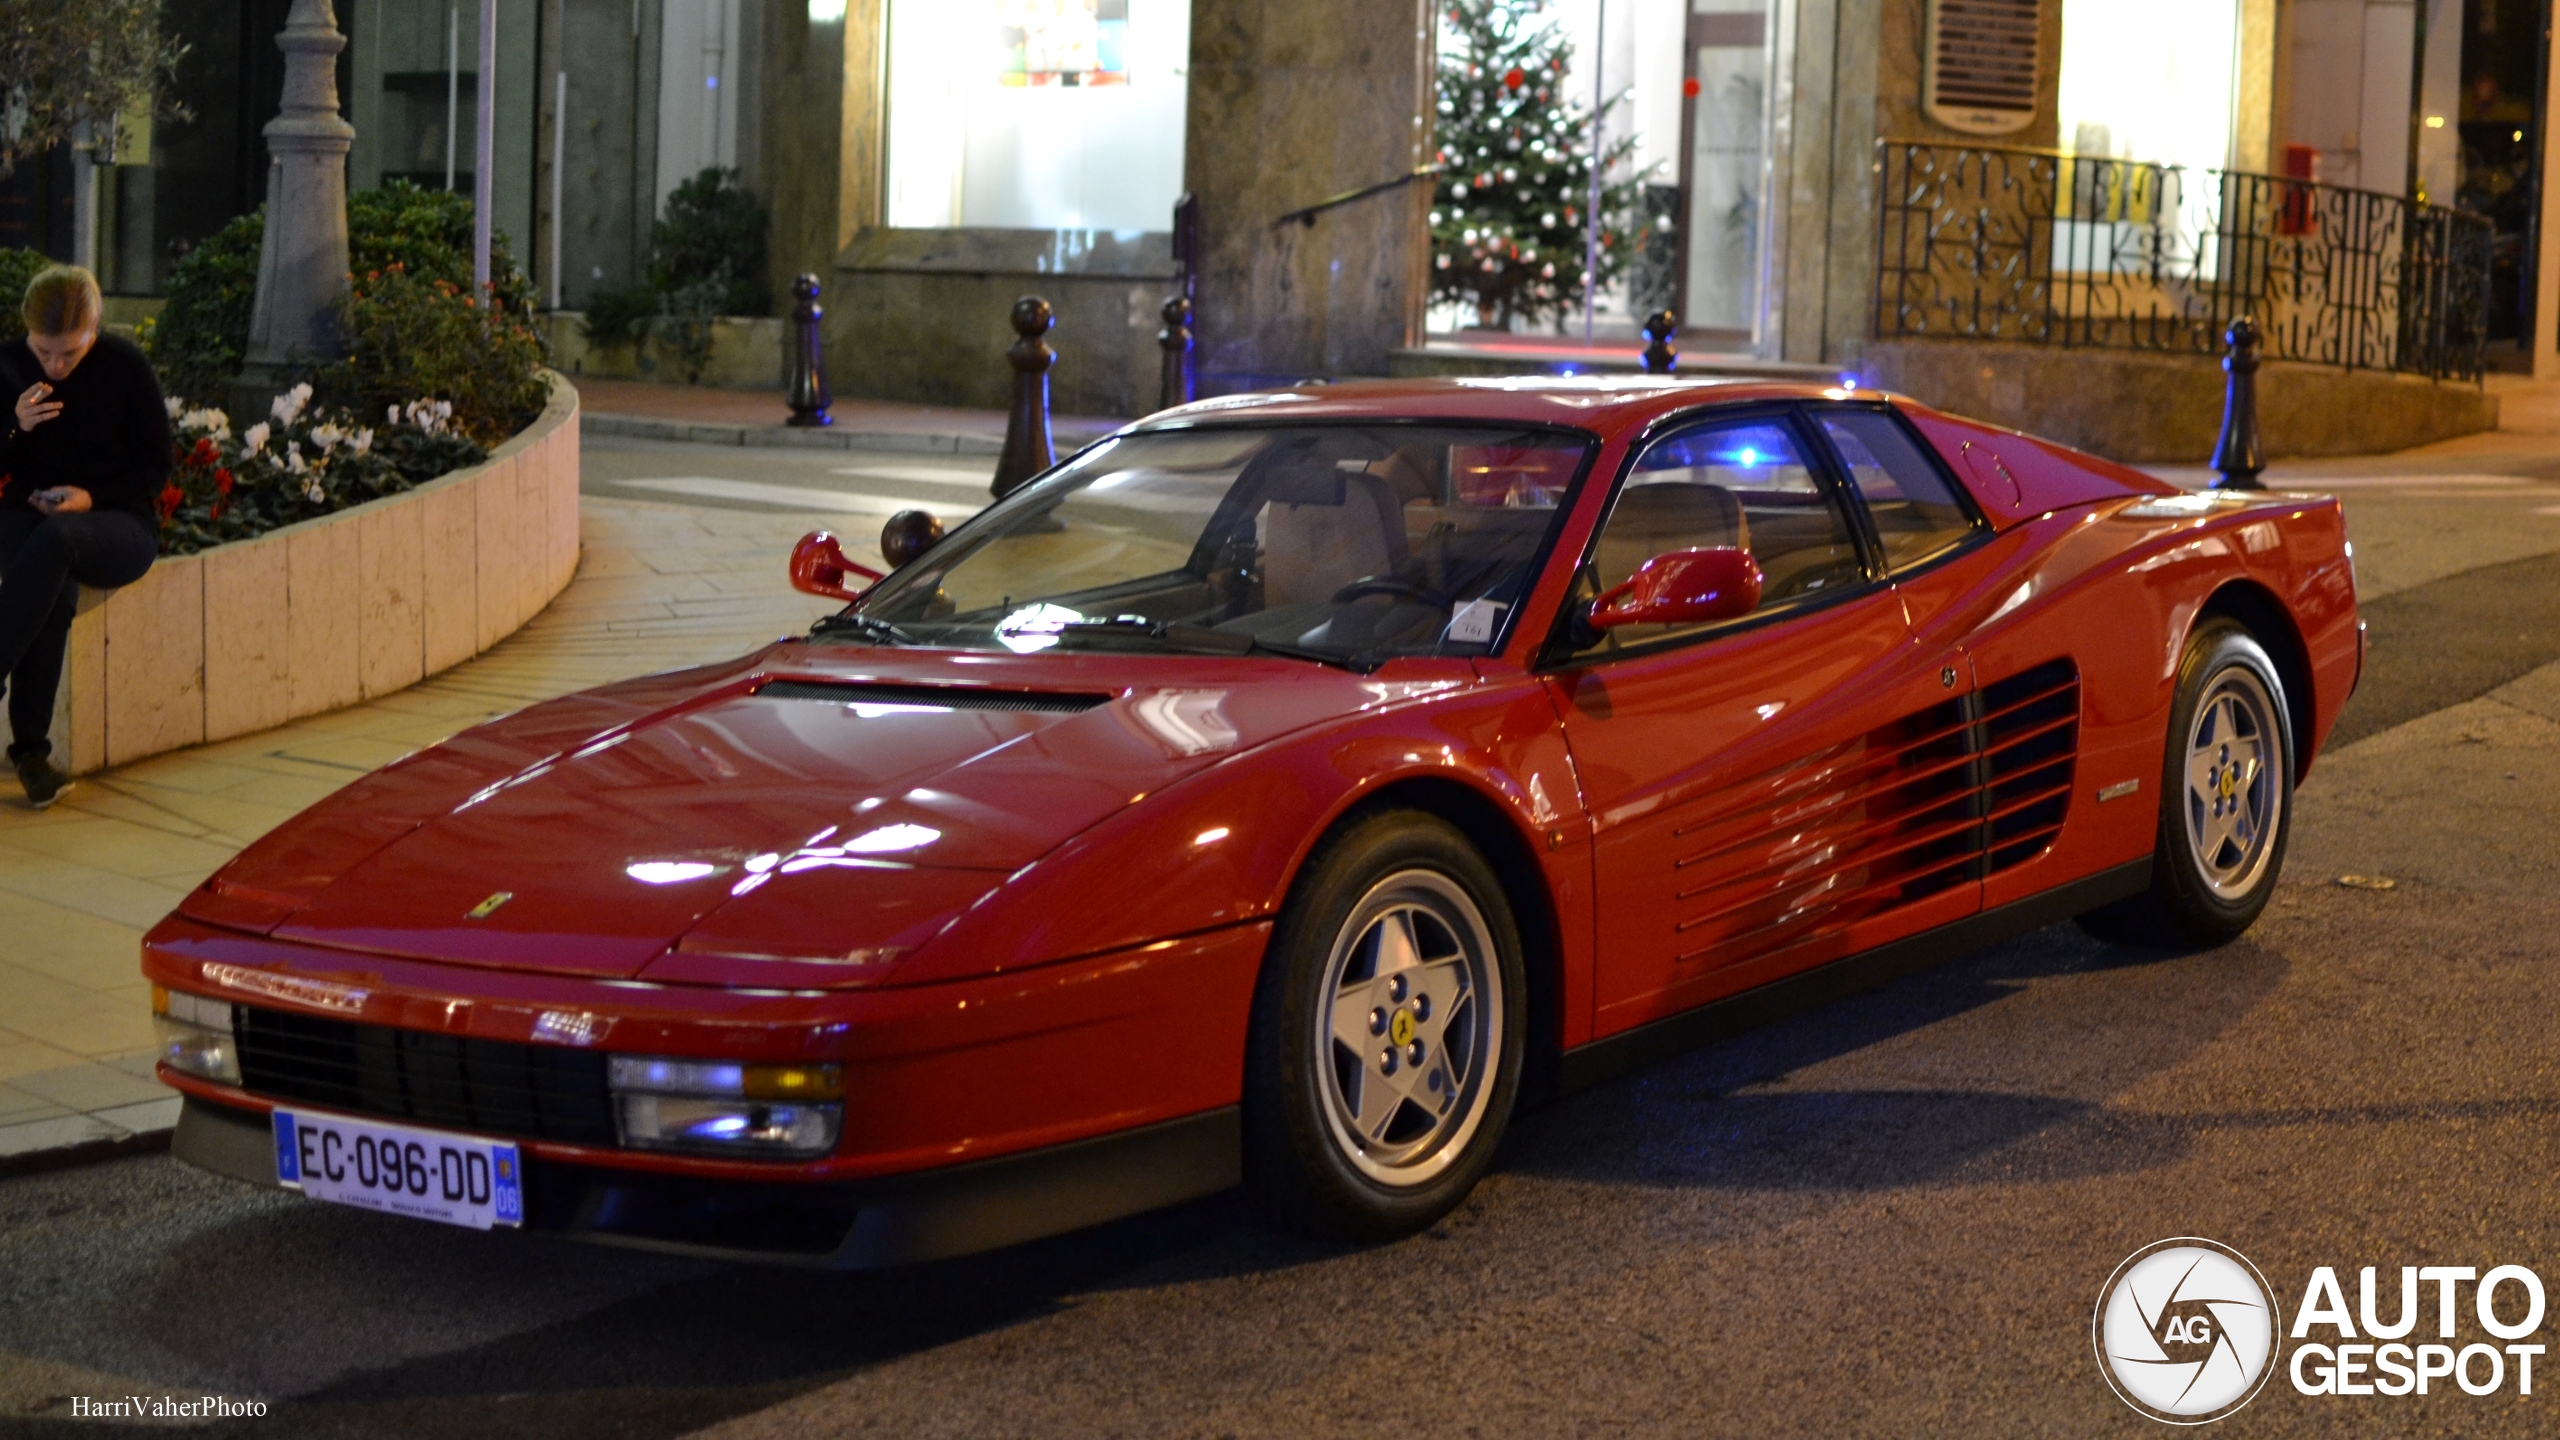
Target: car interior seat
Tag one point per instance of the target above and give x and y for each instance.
(1325, 528)
(1655, 519)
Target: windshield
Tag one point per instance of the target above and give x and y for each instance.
(1342, 543)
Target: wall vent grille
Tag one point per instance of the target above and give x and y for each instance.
(1982, 64)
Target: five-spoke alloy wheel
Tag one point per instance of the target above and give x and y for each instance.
(2226, 802)
(1386, 1041)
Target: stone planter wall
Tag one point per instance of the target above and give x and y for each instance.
(327, 613)
(748, 352)
(2148, 408)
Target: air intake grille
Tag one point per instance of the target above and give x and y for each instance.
(538, 1092)
(944, 697)
(1982, 64)
(2031, 724)
(1937, 799)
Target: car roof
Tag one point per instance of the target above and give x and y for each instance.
(1608, 404)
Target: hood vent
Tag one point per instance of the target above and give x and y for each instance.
(943, 697)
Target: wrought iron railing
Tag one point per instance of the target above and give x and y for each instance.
(2041, 247)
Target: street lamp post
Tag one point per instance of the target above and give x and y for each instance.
(302, 257)
(484, 154)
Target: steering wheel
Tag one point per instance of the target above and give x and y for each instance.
(1387, 585)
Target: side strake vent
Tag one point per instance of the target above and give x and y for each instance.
(1982, 64)
(1937, 799)
(2031, 734)
(938, 697)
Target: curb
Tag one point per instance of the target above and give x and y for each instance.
(784, 437)
(85, 1152)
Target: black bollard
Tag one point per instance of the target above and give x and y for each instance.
(1660, 329)
(1175, 339)
(2238, 455)
(808, 395)
(909, 534)
(1027, 450)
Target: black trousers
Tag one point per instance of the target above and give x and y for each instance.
(44, 560)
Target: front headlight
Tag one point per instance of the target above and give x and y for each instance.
(196, 1035)
(727, 1108)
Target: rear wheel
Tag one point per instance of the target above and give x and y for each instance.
(1385, 1050)
(2226, 799)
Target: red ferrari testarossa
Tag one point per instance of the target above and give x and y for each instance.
(1276, 792)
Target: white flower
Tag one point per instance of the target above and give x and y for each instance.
(175, 405)
(362, 443)
(293, 459)
(391, 416)
(254, 439)
(327, 437)
(288, 406)
(313, 493)
(207, 421)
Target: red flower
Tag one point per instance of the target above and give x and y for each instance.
(1515, 77)
(171, 497)
(222, 481)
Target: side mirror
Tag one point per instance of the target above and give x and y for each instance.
(909, 534)
(1685, 587)
(818, 567)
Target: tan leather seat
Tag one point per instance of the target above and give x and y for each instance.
(1311, 551)
(1651, 520)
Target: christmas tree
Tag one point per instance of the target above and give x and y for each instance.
(1507, 223)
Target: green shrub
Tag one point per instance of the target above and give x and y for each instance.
(203, 329)
(412, 337)
(620, 315)
(17, 267)
(713, 230)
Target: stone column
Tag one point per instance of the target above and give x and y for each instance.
(302, 262)
(1292, 101)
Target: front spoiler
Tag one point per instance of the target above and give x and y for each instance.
(850, 1225)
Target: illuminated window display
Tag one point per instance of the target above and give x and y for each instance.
(1036, 114)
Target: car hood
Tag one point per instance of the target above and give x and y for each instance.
(830, 808)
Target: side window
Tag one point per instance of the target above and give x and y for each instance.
(1916, 511)
(1740, 483)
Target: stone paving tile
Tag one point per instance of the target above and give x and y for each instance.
(90, 1087)
(61, 1133)
(22, 1055)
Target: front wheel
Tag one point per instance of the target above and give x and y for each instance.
(2226, 799)
(1386, 1040)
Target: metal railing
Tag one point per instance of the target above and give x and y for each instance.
(2042, 247)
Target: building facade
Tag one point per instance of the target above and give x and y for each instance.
(931, 160)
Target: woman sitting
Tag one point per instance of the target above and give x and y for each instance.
(86, 457)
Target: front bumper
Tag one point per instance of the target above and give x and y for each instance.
(941, 1080)
(853, 1225)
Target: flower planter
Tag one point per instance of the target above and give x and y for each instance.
(327, 613)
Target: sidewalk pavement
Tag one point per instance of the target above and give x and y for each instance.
(706, 416)
(664, 585)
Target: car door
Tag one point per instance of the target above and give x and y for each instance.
(1767, 792)
(2070, 676)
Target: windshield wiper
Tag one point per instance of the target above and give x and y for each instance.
(878, 632)
(1205, 640)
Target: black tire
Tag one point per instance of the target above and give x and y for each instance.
(1308, 1096)
(2213, 870)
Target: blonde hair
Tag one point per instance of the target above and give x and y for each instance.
(62, 300)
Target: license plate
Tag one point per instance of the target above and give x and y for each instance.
(400, 1169)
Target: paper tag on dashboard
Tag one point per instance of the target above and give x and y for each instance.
(1474, 622)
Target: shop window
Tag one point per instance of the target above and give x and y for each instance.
(1036, 114)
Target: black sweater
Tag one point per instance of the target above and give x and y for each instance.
(111, 439)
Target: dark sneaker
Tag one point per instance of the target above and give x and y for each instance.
(44, 784)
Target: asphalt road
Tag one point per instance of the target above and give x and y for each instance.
(1891, 1215)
